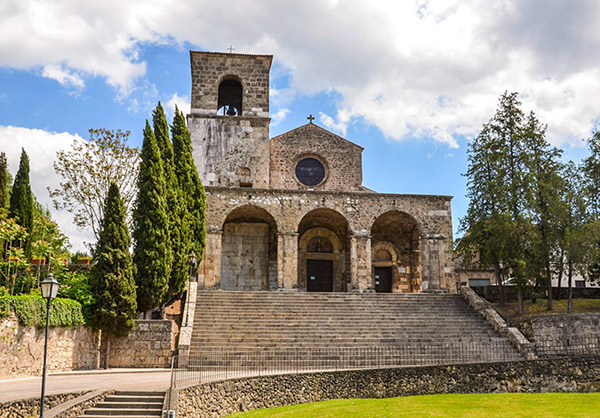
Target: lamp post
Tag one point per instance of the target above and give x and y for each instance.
(49, 290)
(192, 261)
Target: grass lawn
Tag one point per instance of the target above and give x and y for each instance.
(560, 307)
(496, 405)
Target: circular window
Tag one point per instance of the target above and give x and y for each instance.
(310, 171)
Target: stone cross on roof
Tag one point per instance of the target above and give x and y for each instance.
(231, 48)
(310, 118)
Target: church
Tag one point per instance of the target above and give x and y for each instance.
(290, 213)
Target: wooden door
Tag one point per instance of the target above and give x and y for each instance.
(319, 276)
(383, 279)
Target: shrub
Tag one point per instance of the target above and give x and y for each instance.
(30, 310)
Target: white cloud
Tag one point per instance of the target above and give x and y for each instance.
(279, 116)
(64, 76)
(41, 147)
(429, 68)
(182, 103)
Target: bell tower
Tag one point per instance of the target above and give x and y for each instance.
(229, 118)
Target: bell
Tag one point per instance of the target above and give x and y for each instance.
(231, 111)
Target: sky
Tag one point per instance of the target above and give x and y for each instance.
(410, 81)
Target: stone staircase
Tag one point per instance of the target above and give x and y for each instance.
(435, 328)
(128, 405)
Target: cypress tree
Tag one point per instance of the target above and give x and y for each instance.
(21, 199)
(189, 183)
(150, 234)
(111, 273)
(3, 181)
(175, 211)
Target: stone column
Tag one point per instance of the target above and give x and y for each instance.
(209, 272)
(360, 262)
(287, 260)
(432, 265)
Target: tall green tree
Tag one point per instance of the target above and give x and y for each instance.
(544, 189)
(3, 181)
(591, 192)
(178, 238)
(189, 183)
(21, 200)
(111, 273)
(88, 169)
(152, 252)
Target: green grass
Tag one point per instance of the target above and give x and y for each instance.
(497, 405)
(560, 307)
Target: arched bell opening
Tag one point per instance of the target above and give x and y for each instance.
(249, 250)
(230, 97)
(396, 253)
(322, 251)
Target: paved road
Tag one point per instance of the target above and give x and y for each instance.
(121, 379)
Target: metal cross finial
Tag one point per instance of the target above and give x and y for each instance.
(231, 48)
(310, 118)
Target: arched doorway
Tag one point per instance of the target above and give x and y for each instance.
(249, 250)
(396, 253)
(322, 255)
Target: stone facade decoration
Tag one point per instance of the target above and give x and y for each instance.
(270, 200)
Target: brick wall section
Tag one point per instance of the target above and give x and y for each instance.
(209, 69)
(151, 343)
(342, 159)
(22, 349)
(223, 398)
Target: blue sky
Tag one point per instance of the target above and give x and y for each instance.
(411, 81)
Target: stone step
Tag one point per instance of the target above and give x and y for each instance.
(127, 404)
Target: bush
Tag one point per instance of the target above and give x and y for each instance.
(31, 311)
(76, 286)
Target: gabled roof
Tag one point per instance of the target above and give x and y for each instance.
(311, 125)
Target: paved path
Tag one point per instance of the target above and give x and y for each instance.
(122, 379)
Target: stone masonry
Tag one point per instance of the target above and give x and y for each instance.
(291, 213)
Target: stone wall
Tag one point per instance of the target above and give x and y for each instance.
(223, 398)
(556, 335)
(22, 349)
(341, 159)
(150, 344)
(491, 293)
(31, 407)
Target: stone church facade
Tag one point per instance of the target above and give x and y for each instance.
(290, 212)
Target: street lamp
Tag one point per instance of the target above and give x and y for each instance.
(49, 290)
(192, 261)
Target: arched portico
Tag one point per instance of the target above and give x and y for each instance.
(249, 250)
(322, 251)
(396, 253)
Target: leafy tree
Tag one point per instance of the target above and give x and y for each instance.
(189, 183)
(89, 169)
(151, 237)
(544, 182)
(21, 200)
(11, 233)
(4, 177)
(178, 239)
(111, 273)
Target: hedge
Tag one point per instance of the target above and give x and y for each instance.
(31, 311)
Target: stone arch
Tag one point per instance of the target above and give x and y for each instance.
(330, 225)
(398, 233)
(229, 95)
(249, 250)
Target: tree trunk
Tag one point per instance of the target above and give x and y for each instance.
(107, 354)
(499, 278)
(560, 272)
(520, 298)
(549, 282)
(570, 303)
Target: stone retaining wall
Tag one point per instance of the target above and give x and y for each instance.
(219, 399)
(31, 407)
(150, 344)
(563, 334)
(22, 349)
(491, 293)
